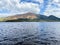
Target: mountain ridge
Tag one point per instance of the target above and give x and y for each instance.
(30, 17)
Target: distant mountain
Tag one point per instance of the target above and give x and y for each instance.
(49, 18)
(30, 17)
(42, 17)
(21, 17)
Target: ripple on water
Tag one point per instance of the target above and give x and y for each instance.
(29, 33)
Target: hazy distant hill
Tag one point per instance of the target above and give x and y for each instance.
(23, 16)
(30, 17)
(49, 18)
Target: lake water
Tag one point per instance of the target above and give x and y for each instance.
(29, 33)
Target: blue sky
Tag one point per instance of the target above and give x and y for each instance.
(45, 7)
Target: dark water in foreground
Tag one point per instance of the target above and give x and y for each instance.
(30, 33)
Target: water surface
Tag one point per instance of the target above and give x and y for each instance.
(29, 33)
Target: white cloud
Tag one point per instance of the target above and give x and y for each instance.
(56, 0)
(41, 1)
(30, 7)
(14, 7)
(53, 9)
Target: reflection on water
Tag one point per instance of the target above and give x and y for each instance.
(30, 33)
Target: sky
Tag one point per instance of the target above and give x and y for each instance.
(44, 7)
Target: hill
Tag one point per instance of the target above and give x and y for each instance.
(30, 17)
(22, 17)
